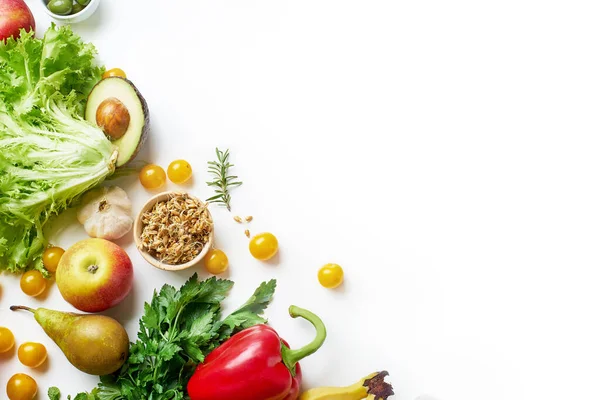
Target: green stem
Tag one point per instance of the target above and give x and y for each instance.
(291, 357)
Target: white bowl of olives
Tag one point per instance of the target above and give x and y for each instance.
(70, 11)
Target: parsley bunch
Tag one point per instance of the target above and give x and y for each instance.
(178, 329)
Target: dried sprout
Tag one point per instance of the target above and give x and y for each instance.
(176, 230)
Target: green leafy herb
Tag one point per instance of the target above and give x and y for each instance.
(89, 396)
(54, 393)
(49, 155)
(178, 329)
(223, 182)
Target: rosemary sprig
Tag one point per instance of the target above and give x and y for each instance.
(223, 181)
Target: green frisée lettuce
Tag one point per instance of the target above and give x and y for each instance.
(49, 155)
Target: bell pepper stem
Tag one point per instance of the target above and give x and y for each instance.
(291, 357)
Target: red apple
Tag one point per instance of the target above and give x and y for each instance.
(14, 15)
(94, 275)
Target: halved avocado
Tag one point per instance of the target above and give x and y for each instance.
(116, 106)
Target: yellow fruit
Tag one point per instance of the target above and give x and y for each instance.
(7, 339)
(216, 261)
(331, 276)
(264, 246)
(179, 171)
(152, 176)
(32, 354)
(21, 387)
(33, 283)
(114, 72)
(51, 257)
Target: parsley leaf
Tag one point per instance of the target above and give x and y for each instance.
(249, 314)
(54, 393)
(178, 329)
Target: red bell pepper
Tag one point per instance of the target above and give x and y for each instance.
(255, 364)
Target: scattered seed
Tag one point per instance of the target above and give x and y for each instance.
(237, 219)
(247, 232)
(176, 230)
(249, 218)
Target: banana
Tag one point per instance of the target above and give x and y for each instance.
(371, 387)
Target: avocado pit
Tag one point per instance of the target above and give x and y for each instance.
(113, 117)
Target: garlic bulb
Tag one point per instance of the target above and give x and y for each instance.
(106, 213)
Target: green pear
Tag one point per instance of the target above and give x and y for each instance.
(94, 344)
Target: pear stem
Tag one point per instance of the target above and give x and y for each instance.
(16, 308)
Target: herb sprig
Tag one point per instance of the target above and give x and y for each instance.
(223, 182)
(178, 329)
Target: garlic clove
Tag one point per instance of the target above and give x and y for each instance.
(108, 227)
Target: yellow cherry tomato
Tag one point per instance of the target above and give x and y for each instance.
(114, 72)
(263, 246)
(179, 171)
(51, 257)
(152, 176)
(331, 276)
(7, 339)
(32, 354)
(21, 387)
(216, 261)
(33, 283)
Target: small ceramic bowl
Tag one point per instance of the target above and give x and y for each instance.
(75, 18)
(137, 233)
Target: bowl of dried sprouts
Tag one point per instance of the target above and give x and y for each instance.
(174, 231)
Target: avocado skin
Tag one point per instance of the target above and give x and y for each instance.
(146, 127)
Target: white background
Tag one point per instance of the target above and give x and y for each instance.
(445, 153)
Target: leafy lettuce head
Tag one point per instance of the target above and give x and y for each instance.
(49, 155)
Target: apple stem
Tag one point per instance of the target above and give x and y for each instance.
(92, 269)
(16, 308)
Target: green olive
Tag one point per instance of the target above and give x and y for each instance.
(83, 2)
(61, 7)
(77, 8)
